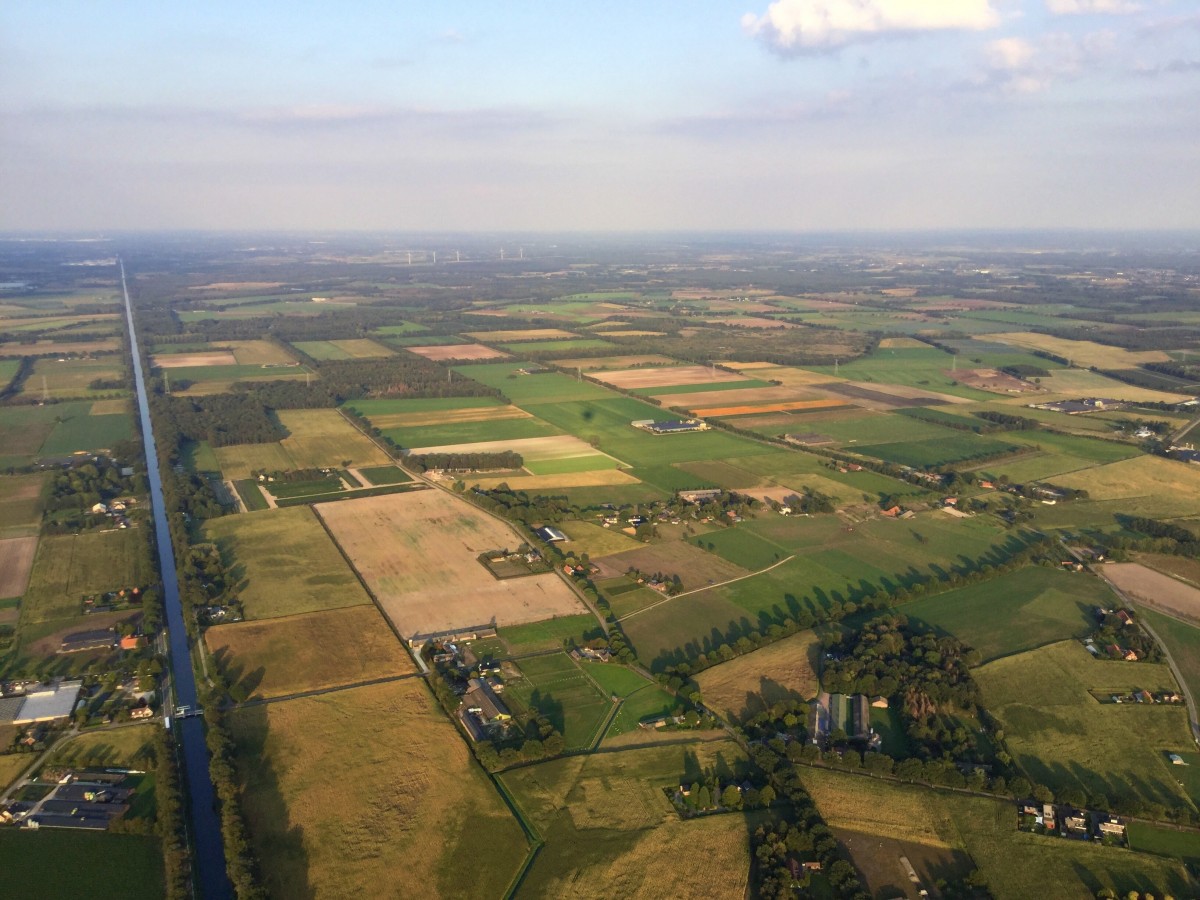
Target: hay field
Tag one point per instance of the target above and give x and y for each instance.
(591, 363)
(370, 791)
(1081, 353)
(662, 376)
(16, 562)
(695, 567)
(318, 438)
(610, 831)
(63, 348)
(346, 348)
(1062, 736)
(281, 562)
(308, 652)
(204, 358)
(754, 409)
(425, 418)
(417, 551)
(130, 746)
(1154, 589)
(60, 379)
(457, 351)
(1174, 486)
(20, 505)
(532, 450)
(260, 353)
(112, 407)
(784, 670)
(598, 478)
(1070, 384)
(521, 334)
(66, 567)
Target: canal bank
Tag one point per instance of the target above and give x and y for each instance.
(203, 820)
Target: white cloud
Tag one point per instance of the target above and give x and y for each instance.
(1010, 53)
(1025, 67)
(794, 26)
(1080, 7)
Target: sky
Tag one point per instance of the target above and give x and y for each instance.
(732, 115)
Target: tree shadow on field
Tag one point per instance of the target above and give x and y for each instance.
(277, 841)
(546, 705)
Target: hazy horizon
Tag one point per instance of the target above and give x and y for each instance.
(756, 117)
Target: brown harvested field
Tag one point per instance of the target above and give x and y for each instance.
(21, 505)
(784, 670)
(991, 380)
(261, 353)
(1182, 567)
(417, 553)
(370, 792)
(632, 379)
(788, 376)
(561, 446)
(110, 407)
(695, 567)
(599, 478)
(65, 348)
(590, 364)
(16, 561)
(205, 358)
(308, 652)
(236, 286)
(753, 321)
(877, 859)
(448, 416)
(734, 397)
(895, 343)
(441, 352)
(521, 334)
(779, 421)
(754, 409)
(1154, 589)
(886, 396)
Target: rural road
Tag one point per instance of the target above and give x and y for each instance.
(707, 587)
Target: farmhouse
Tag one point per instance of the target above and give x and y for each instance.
(482, 701)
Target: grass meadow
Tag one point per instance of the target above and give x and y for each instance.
(67, 567)
(786, 670)
(48, 864)
(558, 688)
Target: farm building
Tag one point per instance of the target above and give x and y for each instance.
(550, 534)
(674, 426)
(482, 701)
(1075, 407)
(46, 704)
(699, 495)
(79, 641)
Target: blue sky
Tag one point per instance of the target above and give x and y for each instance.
(792, 115)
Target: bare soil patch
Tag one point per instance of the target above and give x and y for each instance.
(183, 360)
(991, 380)
(1155, 590)
(16, 562)
(630, 379)
(418, 554)
(457, 351)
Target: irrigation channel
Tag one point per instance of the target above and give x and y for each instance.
(203, 820)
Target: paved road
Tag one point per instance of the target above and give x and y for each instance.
(204, 822)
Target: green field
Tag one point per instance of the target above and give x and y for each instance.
(198, 456)
(550, 387)
(88, 432)
(610, 831)
(1182, 641)
(471, 432)
(1184, 845)
(956, 447)
(592, 539)
(282, 561)
(648, 702)
(1016, 612)
(8, 368)
(549, 633)
(388, 406)
(131, 747)
(403, 328)
(252, 497)
(556, 687)
(556, 346)
(1016, 864)
(921, 367)
(1062, 736)
(21, 502)
(614, 678)
(67, 379)
(385, 475)
(62, 427)
(67, 567)
(54, 863)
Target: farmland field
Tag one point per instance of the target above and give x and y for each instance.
(610, 831)
(351, 348)
(132, 746)
(694, 567)
(382, 784)
(68, 566)
(292, 653)
(195, 359)
(782, 671)
(282, 562)
(649, 702)
(425, 417)
(520, 334)
(16, 561)
(525, 389)
(63, 379)
(450, 590)
(1061, 736)
(548, 634)
(557, 687)
(986, 830)
(466, 431)
(1182, 640)
(20, 505)
(596, 541)
(1160, 592)
(1085, 354)
(577, 344)
(660, 376)
(457, 351)
(85, 431)
(53, 863)
(1173, 487)
(1049, 605)
(318, 438)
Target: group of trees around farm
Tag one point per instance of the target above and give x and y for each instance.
(1151, 536)
(506, 460)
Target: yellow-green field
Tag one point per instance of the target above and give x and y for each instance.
(783, 671)
(129, 746)
(20, 505)
(61, 379)
(12, 765)
(1081, 353)
(307, 652)
(318, 438)
(1172, 487)
(260, 353)
(67, 567)
(281, 561)
(370, 791)
(1058, 731)
(611, 832)
(1016, 864)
